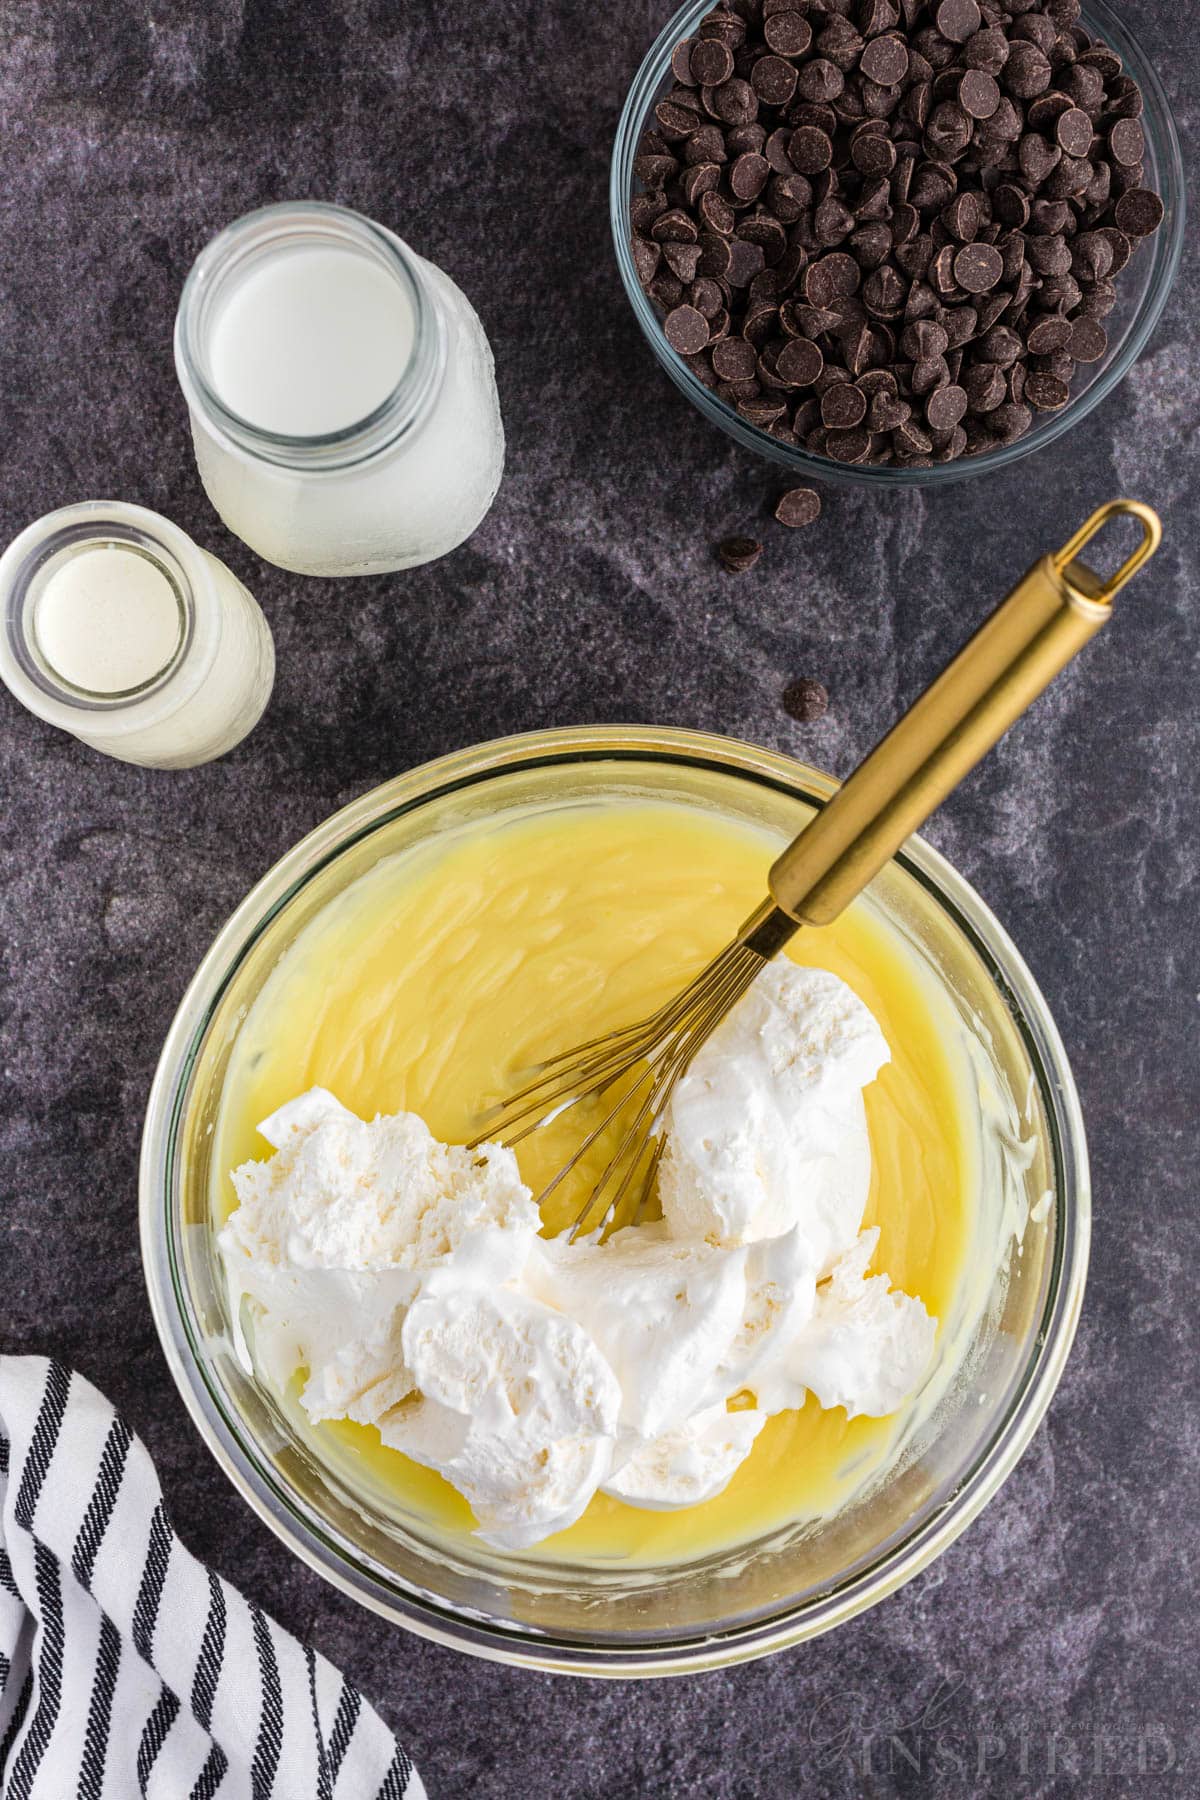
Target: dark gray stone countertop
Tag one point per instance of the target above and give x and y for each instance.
(481, 132)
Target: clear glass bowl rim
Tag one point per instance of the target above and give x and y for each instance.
(333, 1557)
(1166, 248)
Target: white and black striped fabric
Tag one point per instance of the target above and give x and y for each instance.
(126, 1667)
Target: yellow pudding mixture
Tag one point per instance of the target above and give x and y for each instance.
(433, 981)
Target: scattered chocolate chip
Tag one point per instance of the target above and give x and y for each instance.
(798, 506)
(737, 554)
(806, 699)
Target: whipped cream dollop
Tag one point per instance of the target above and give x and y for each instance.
(409, 1279)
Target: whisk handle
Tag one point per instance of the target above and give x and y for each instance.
(1052, 612)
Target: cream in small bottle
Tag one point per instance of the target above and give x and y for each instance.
(122, 631)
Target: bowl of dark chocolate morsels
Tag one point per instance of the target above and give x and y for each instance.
(896, 241)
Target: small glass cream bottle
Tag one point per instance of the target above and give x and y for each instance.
(122, 631)
(341, 390)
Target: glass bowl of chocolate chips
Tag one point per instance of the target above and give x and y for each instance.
(896, 241)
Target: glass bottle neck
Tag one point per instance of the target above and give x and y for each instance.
(31, 592)
(252, 245)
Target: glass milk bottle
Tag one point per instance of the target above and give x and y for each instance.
(122, 631)
(341, 391)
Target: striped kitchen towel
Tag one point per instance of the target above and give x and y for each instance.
(126, 1667)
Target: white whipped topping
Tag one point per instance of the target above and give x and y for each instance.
(767, 1128)
(409, 1279)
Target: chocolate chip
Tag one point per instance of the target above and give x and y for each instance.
(963, 217)
(1046, 392)
(1037, 158)
(655, 169)
(1127, 142)
(711, 62)
(734, 359)
(646, 257)
(1088, 340)
(843, 406)
(666, 289)
(978, 267)
(798, 506)
(870, 244)
(832, 222)
(887, 412)
(681, 62)
(987, 50)
(885, 60)
(1010, 421)
(799, 362)
(737, 554)
(1026, 71)
(1048, 335)
(923, 339)
(686, 330)
(1120, 246)
(787, 33)
(849, 446)
(945, 407)
(748, 176)
(1074, 131)
(958, 20)
(806, 699)
(773, 80)
(745, 262)
(820, 80)
(810, 149)
(683, 260)
(884, 293)
(1000, 345)
(910, 440)
(717, 215)
(985, 387)
(978, 93)
(1138, 212)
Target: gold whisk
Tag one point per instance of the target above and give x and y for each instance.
(1051, 613)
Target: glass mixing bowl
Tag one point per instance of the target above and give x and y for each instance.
(737, 1604)
(1142, 288)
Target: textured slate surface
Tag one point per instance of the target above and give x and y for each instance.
(481, 132)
